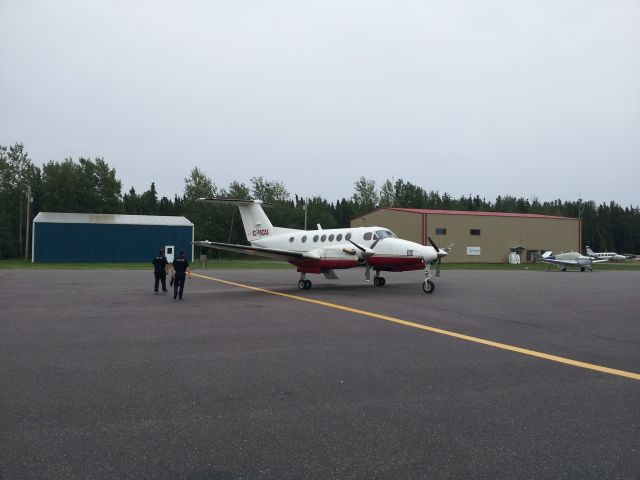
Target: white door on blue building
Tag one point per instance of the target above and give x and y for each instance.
(169, 252)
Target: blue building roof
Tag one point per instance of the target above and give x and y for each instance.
(111, 219)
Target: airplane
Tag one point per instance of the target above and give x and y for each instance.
(323, 251)
(569, 259)
(610, 256)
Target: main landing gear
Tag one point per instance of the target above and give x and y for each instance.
(304, 284)
(378, 281)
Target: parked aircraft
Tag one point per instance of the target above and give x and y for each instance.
(324, 251)
(610, 256)
(569, 259)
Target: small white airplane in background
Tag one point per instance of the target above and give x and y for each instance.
(569, 259)
(323, 251)
(609, 256)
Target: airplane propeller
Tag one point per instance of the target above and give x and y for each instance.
(364, 256)
(440, 253)
(366, 252)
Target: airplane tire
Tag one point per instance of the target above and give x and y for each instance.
(382, 281)
(307, 284)
(428, 286)
(302, 284)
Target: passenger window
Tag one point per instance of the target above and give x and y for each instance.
(290, 239)
(367, 236)
(339, 237)
(331, 237)
(304, 238)
(347, 236)
(315, 238)
(323, 238)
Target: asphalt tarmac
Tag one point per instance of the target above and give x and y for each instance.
(102, 379)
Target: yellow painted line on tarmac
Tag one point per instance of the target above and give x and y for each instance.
(468, 338)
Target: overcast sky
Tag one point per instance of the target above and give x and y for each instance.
(528, 98)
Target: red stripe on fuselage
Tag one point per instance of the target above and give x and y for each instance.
(385, 264)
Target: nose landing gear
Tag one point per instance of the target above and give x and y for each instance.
(428, 286)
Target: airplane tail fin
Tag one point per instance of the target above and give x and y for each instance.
(589, 251)
(256, 223)
(537, 257)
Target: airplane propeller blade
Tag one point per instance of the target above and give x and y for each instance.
(440, 253)
(357, 246)
(364, 258)
(366, 252)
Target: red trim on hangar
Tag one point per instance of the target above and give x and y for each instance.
(475, 213)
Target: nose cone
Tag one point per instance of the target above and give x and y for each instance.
(430, 254)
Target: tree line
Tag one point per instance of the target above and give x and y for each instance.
(91, 186)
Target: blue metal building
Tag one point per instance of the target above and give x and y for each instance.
(89, 237)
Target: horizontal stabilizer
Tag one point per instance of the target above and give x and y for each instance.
(236, 201)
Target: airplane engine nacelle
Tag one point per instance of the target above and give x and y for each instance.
(346, 253)
(584, 261)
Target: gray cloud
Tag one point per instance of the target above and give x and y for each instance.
(534, 98)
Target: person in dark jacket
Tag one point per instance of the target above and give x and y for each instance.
(160, 263)
(180, 271)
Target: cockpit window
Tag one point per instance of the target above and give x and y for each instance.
(385, 234)
(367, 236)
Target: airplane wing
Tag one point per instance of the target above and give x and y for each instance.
(558, 262)
(285, 255)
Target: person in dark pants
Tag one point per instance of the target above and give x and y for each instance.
(160, 263)
(180, 271)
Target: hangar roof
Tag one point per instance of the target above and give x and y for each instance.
(476, 213)
(111, 219)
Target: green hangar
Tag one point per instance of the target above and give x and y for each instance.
(93, 237)
(480, 237)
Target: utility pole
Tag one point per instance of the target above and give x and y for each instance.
(306, 204)
(580, 210)
(29, 200)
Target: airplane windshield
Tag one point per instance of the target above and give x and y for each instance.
(385, 234)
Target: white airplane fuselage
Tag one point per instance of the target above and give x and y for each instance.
(331, 249)
(610, 256)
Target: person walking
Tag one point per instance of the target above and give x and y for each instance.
(180, 271)
(160, 263)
